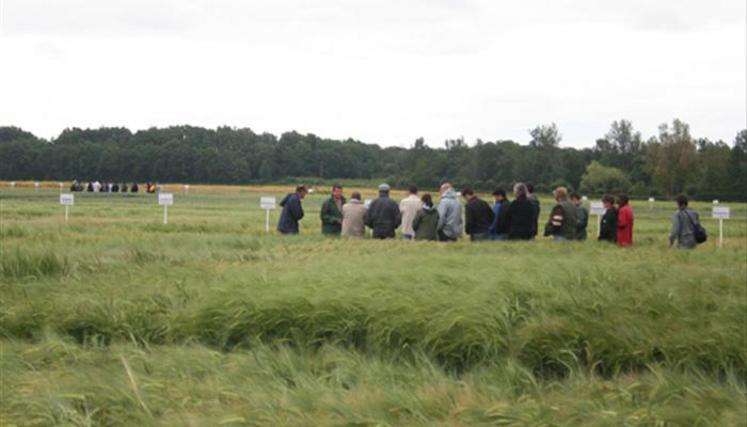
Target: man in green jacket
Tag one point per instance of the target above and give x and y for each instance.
(562, 222)
(331, 213)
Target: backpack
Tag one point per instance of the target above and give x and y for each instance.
(699, 232)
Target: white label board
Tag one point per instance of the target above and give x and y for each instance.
(367, 202)
(267, 202)
(721, 212)
(597, 208)
(67, 199)
(651, 200)
(166, 199)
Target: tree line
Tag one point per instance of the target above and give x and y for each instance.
(621, 161)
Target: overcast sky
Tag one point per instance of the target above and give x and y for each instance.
(380, 71)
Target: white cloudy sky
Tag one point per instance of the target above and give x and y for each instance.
(381, 71)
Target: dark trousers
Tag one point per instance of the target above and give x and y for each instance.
(478, 237)
(444, 238)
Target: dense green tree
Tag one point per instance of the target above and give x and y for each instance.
(671, 162)
(599, 179)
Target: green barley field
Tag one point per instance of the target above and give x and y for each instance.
(117, 319)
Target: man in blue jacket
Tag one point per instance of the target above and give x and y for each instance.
(292, 211)
(499, 228)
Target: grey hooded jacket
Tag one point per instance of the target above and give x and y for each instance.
(682, 228)
(450, 215)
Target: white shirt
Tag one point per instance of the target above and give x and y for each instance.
(408, 207)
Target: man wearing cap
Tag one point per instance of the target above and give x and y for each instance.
(383, 216)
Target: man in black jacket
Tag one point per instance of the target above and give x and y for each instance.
(383, 215)
(608, 226)
(499, 228)
(478, 216)
(292, 211)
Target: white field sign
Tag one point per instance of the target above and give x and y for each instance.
(721, 213)
(67, 200)
(367, 203)
(597, 208)
(165, 200)
(268, 204)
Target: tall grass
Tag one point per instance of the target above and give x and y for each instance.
(117, 319)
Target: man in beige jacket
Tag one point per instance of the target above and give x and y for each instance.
(353, 215)
(408, 207)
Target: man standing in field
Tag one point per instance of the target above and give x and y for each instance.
(562, 222)
(449, 215)
(409, 207)
(353, 216)
(684, 224)
(331, 213)
(582, 216)
(292, 211)
(478, 216)
(499, 227)
(383, 215)
(608, 226)
(534, 200)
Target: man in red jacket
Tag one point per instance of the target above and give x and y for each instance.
(624, 222)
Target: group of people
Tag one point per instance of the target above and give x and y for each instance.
(517, 219)
(111, 187)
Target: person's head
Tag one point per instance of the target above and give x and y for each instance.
(530, 188)
(384, 190)
(681, 200)
(622, 200)
(413, 189)
(575, 198)
(427, 200)
(467, 193)
(337, 191)
(560, 194)
(356, 195)
(499, 194)
(445, 187)
(301, 191)
(520, 190)
(608, 201)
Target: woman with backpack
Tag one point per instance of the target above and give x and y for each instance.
(686, 228)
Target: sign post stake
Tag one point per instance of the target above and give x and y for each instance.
(721, 213)
(67, 200)
(267, 203)
(165, 199)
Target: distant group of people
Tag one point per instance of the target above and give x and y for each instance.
(111, 187)
(506, 219)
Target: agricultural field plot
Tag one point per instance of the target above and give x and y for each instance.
(118, 319)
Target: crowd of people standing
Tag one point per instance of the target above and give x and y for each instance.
(112, 187)
(420, 219)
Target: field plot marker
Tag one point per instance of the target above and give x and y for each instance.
(268, 204)
(165, 200)
(67, 200)
(651, 201)
(597, 208)
(721, 213)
